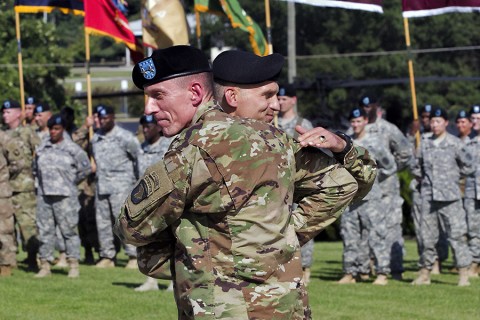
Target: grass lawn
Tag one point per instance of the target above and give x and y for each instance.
(108, 294)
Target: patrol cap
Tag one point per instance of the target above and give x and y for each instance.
(366, 100)
(55, 119)
(30, 100)
(426, 108)
(439, 112)
(169, 63)
(287, 90)
(41, 107)
(475, 109)
(103, 110)
(357, 113)
(10, 104)
(242, 67)
(462, 114)
(147, 118)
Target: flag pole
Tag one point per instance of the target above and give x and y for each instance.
(412, 77)
(198, 29)
(20, 63)
(89, 82)
(270, 46)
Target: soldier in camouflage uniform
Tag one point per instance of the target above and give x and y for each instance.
(401, 149)
(30, 103)
(442, 159)
(472, 196)
(363, 226)
(42, 114)
(224, 190)
(11, 163)
(154, 147)
(60, 165)
(115, 151)
(464, 126)
(23, 186)
(287, 121)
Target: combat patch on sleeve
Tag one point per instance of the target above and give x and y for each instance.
(145, 196)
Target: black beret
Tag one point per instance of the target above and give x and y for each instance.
(462, 114)
(356, 113)
(41, 107)
(367, 100)
(439, 112)
(427, 108)
(287, 90)
(147, 118)
(10, 104)
(475, 109)
(242, 67)
(30, 100)
(169, 63)
(55, 119)
(103, 110)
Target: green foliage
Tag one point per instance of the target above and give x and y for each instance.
(108, 294)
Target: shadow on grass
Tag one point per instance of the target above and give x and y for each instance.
(131, 285)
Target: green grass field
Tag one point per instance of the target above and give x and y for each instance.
(108, 294)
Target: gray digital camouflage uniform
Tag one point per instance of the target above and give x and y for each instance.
(11, 164)
(223, 190)
(116, 155)
(289, 127)
(59, 168)
(392, 202)
(439, 165)
(152, 153)
(363, 225)
(472, 201)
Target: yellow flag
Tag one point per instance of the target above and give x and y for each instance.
(164, 23)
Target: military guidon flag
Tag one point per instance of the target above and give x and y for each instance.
(367, 5)
(424, 8)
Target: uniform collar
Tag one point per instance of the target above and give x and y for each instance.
(204, 108)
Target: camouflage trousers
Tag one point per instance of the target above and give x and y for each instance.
(307, 254)
(364, 231)
(392, 205)
(449, 216)
(25, 206)
(107, 208)
(442, 244)
(7, 234)
(53, 211)
(472, 207)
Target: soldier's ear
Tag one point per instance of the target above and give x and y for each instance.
(197, 93)
(231, 96)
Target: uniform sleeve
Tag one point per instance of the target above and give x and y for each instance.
(156, 201)
(82, 163)
(363, 168)
(323, 189)
(14, 154)
(401, 147)
(133, 150)
(465, 161)
(153, 257)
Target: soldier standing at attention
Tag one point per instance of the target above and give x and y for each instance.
(287, 121)
(442, 160)
(223, 190)
(60, 165)
(401, 149)
(23, 185)
(464, 126)
(11, 162)
(42, 114)
(30, 103)
(363, 225)
(115, 151)
(472, 196)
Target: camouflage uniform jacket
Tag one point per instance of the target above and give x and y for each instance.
(439, 167)
(116, 155)
(11, 162)
(384, 159)
(224, 191)
(60, 167)
(23, 181)
(289, 125)
(152, 153)
(472, 183)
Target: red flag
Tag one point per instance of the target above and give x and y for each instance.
(102, 17)
(367, 5)
(423, 8)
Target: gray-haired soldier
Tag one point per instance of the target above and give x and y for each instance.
(115, 151)
(441, 162)
(60, 165)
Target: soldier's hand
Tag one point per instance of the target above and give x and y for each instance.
(89, 121)
(321, 138)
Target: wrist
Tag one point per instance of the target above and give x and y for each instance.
(340, 155)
